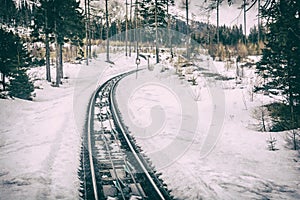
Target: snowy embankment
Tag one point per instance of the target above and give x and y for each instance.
(40, 139)
(223, 156)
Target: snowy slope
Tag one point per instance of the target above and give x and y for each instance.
(238, 166)
(39, 144)
(40, 140)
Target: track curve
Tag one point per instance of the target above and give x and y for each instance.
(112, 164)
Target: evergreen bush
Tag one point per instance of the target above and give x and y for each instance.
(20, 86)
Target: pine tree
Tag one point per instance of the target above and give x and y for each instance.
(24, 13)
(42, 30)
(70, 25)
(280, 64)
(16, 13)
(20, 86)
(147, 10)
(12, 55)
(7, 12)
(154, 15)
(63, 20)
(253, 36)
(14, 61)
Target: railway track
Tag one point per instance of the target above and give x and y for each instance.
(113, 166)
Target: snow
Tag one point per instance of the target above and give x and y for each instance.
(221, 156)
(38, 145)
(40, 140)
(202, 138)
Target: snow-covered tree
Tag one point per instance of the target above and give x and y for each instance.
(154, 13)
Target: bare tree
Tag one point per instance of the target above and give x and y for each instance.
(262, 116)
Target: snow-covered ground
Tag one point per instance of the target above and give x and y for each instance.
(40, 139)
(200, 137)
(225, 158)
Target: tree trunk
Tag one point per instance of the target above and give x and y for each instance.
(291, 105)
(237, 68)
(293, 127)
(86, 33)
(89, 31)
(218, 22)
(156, 34)
(126, 28)
(258, 22)
(130, 38)
(71, 52)
(57, 57)
(263, 119)
(291, 102)
(169, 30)
(187, 28)
(101, 30)
(57, 63)
(208, 30)
(245, 23)
(48, 70)
(3, 81)
(107, 31)
(61, 67)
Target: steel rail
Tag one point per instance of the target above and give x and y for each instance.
(90, 146)
(111, 86)
(117, 117)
